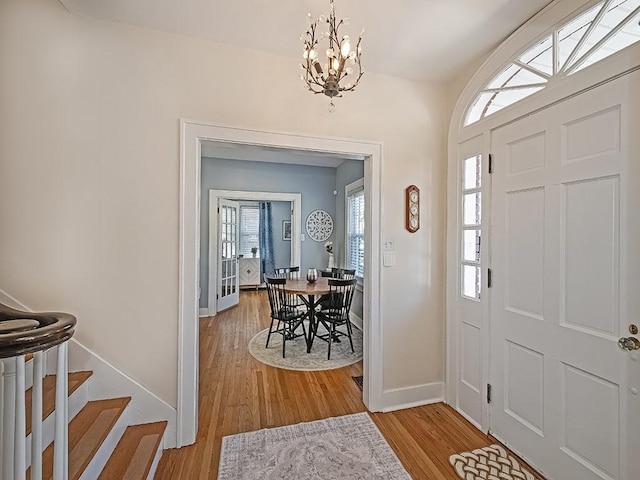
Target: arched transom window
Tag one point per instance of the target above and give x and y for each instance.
(603, 30)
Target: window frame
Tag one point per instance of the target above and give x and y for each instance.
(465, 227)
(350, 190)
(483, 104)
(247, 206)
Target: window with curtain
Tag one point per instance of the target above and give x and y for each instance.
(249, 228)
(355, 227)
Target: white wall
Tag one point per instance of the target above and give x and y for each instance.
(89, 178)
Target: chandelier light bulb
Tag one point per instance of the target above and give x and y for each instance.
(344, 49)
(330, 53)
(305, 54)
(312, 54)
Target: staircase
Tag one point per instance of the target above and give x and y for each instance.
(102, 444)
(75, 438)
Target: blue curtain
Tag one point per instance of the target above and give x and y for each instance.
(265, 240)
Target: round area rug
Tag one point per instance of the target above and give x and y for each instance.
(297, 357)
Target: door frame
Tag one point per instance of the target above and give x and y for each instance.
(610, 68)
(192, 134)
(214, 196)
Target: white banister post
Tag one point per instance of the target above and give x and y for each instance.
(61, 440)
(20, 438)
(36, 416)
(8, 416)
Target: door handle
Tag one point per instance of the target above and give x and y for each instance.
(629, 344)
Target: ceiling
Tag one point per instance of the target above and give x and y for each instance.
(258, 153)
(417, 39)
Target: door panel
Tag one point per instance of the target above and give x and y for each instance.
(565, 257)
(228, 287)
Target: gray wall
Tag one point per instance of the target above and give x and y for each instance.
(316, 184)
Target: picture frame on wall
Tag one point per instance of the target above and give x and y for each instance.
(286, 230)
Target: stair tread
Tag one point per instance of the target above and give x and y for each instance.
(87, 431)
(133, 456)
(49, 394)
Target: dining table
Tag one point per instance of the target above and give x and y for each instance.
(310, 293)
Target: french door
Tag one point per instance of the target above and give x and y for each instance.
(228, 287)
(565, 255)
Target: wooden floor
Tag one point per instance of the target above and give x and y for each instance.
(239, 394)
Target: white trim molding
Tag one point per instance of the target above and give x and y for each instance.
(415, 396)
(192, 134)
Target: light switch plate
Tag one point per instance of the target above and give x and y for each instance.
(389, 259)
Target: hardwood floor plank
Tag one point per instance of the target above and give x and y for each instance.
(239, 394)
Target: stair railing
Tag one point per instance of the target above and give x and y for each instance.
(23, 333)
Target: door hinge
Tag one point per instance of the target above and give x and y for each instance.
(488, 393)
(218, 209)
(490, 163)
(217, 296)
(489, 278)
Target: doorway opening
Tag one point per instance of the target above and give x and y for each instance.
(193, 135)
(213, 272)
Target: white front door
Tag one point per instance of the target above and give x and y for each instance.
(228, 219)
(565, 256)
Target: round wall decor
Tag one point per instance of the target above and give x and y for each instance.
(319, 225)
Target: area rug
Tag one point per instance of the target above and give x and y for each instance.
(349, 447)
(489, 463)
(297, 357)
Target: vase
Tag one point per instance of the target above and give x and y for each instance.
(331, 262)
(312, 275)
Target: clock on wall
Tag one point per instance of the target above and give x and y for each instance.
(319, 225)
(413, 208)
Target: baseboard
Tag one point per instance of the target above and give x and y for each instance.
(204, 312)
(356, 321)
(415, 396)
(109, 382)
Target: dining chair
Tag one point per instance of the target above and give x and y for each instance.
(343, 272)
(324, 302)
(337, 312)
(288, 272)
(291, 273)
(288, 318)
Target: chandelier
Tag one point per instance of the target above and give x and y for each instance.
(341, 71)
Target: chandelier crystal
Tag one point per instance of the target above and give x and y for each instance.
(341, 69)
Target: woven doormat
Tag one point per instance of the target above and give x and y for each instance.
(489, 463)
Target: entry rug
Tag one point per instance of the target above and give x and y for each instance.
(489, 463)
(349, 447)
